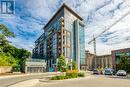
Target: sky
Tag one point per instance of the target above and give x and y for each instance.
(31, 15)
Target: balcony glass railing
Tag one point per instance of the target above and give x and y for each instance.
(35, 60)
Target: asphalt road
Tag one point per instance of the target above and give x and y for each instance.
(90, 81)
(5, 82)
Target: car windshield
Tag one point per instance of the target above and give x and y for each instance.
(121, 71)
(107, 71)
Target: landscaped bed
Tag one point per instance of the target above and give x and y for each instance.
(68, 71)
(69, 74)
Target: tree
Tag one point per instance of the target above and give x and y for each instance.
(61, 63)
(4, 33)
(7, 60)
(19, 54)
(124, 62)
(10, 55)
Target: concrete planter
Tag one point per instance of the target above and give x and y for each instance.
(5, 69)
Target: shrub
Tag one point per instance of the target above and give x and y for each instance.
(58, 78)
(72, 65)
(67, 77)
(81, 74)
(16, 68)
(69, 74)
(72, 74)
(72, 71)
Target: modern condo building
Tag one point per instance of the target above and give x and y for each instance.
(63, 34)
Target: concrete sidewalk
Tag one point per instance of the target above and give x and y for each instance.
(33, 82)
(6, 81)
(28, 83)
(12, 76)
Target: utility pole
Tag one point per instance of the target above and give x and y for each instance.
(94, 47)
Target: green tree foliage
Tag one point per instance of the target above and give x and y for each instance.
(61, 63)
(124, 59)
(19, 54)
(124, 63)
(4, 33)
(3, 41)
(74, 65)
(7, 60)
(15, 52)
(10, 55)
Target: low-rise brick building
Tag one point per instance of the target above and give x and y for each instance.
(89, 60)
(116, 55)
(104, 61)
(101, 62)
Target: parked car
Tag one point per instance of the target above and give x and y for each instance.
(108, 72)
(121, 73)
(102, 72)
(95, 71)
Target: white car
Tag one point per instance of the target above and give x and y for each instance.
(121, 73)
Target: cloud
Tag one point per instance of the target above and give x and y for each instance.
(115, 38)
(31, 15)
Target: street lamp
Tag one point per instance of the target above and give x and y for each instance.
(56, 64)
(71, 63)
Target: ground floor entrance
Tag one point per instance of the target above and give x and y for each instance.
(35, 69)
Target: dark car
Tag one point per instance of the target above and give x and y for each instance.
(95, 71)
(108, 72)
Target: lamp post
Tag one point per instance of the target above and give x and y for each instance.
(57, 64)
(71, 63)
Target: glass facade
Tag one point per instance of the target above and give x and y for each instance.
(82, 44)
(69, 25)
(60, 38)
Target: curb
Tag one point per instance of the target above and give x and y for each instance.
(13, 76)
